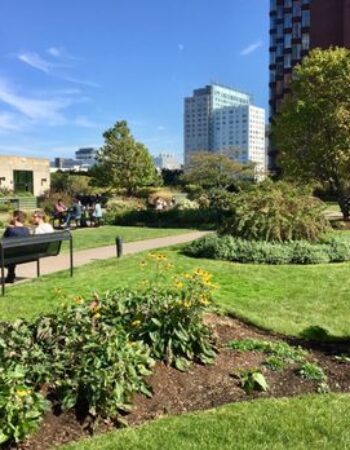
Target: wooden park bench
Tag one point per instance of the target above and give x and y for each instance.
(31, 249)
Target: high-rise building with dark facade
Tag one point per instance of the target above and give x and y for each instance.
(296, 26)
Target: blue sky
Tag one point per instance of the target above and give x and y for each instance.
(70, 68)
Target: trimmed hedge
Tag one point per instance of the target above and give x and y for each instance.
(258, 252)
(174, 218)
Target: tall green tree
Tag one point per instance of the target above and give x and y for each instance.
(312, 130)
(122, 162)
(215, 170)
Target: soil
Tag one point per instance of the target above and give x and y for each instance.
(204, 387)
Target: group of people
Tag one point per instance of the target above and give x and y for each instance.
(77, 212)
(18, 228)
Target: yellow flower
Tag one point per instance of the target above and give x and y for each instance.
(143, 264)
(97, 316)
(179, 284)
(22, 392)
(136, 323)
(79, 300)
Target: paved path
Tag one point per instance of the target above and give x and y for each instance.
(61, 262)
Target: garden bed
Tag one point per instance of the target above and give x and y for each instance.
(204, 387)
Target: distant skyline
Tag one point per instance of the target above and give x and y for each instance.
(70, 69)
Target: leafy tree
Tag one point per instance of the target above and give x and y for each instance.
(215, 170)
(71, 183)
(122, 162)
(312, 130)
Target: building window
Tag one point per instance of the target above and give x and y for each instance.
(296, 30)
(288, 21)
(305, 43)
(305, 19)
(296, 51)
(287, 41)
(296, 9)
(287, 61)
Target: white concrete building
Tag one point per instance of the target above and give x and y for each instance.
(166, 161)
(218, 119)
(21, 174)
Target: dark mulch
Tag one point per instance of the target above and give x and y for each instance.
(202, 387)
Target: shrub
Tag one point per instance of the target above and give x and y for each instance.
(169, 321)
(311, 371)
(276, 212)
(190, 218)
(21, 408)
(228, 248)
(95, 354)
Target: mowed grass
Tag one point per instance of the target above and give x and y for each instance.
(310, 422)
(285, 299)
(85, 238)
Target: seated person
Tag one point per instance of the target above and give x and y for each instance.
(97, 213)
(59, 209)
(74, 212)
(15, 229)
(41, 226)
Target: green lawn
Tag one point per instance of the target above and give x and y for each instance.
(286, 299)
(310, 422)
(84, 238)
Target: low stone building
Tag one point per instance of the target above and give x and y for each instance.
(21, 174)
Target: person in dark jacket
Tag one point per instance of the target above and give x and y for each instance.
(15, 229)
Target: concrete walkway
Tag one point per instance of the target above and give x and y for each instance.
(81, 257)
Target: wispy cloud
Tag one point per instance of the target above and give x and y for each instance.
(54, 51)
(180, 47)
(251, 48)
(10, 122)
(35, 109)
(36, 61)
(80, 81)
(160, 128)
(57, 67)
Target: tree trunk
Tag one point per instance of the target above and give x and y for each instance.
(344, 204)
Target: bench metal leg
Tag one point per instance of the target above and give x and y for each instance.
(71, 255)
(2, 272)
(38, 268)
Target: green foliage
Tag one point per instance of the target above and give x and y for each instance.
(215, 170)
(278, 349)
(228, 248)
(312, 130)
(169, 321)
(96, 353)
(119, 206)
(311, 371)
(123, 162)
(188, 218)
(21, 408)
(275, 212)
(253, 380)
(71, 184)
(275, 363)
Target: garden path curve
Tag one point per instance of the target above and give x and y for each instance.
(81, 257)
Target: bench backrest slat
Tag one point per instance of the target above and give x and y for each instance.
(31, 248)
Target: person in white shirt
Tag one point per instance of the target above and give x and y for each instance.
(97, 214)
(41, 227)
